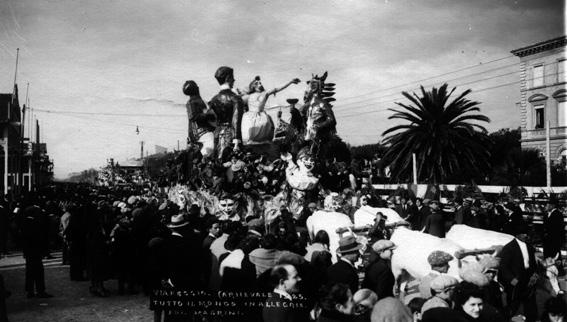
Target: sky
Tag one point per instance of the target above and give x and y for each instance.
(97, 70)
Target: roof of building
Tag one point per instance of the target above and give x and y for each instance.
(132, 163)
(541, 46)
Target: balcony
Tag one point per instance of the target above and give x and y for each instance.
(539, 134)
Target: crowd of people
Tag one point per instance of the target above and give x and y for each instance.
(145, 241)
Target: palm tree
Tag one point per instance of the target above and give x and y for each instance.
(444, 136)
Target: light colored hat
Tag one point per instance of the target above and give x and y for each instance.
(132, 200)
(177, 221)
(443, 282)
(383, 245)
(163, 206)
(439, 258)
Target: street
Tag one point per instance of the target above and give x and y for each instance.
(72, 300)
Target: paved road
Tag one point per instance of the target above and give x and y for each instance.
(72, 301)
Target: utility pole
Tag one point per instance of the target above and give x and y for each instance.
(141, 150)
(547, 157)
(414, 168)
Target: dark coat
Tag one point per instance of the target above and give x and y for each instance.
(435, 224)
(243, 279)
(512, 267)
(184, 259)
(402, 210)
(553, 233)
(33, 231)
(423, 214)
(379, 277)
(413, 217)
(334, 316)
(342, 272)
(513, 221)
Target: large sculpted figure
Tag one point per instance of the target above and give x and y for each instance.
(228, 107)
(201, 129)
(321, 123)
(303, 183)
(257, 125)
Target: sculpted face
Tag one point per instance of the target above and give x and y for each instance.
(258, 87)
(308, 163)
(226, 205)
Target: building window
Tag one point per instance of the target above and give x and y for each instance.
(562, 113)
(561, 71)
(537, 80)
(563, 159)
(539, 116)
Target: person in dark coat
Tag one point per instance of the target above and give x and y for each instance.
(3, 295)
(238, 273)
(518, 274)
(77, 241)
(514, 219)
(378, 276)
(4, 224)
(423, 213)
(336, 303)
(412, 215)
(122, 256)
(344, 271)
(280, 306)
(435, 222)
(97, 253)
(34, 249)
(184, 256)
(476, 218)
(553, 230)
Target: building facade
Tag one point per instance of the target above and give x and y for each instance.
(24, 164)
(543, 97)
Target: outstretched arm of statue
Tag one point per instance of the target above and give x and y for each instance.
(277, 90)
(238, 110)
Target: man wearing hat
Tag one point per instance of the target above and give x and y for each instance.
(442, 288)
(185, 260)
(435, 222)
(378, 276)
(439, 262)
(229, 108)
(553, 229)
(518, 274)
(344, 271)
(423, 213)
